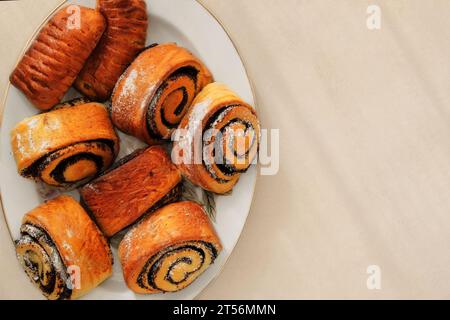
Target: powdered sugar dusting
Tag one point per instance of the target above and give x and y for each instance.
(32, 123)
(27, 144)
(53, 124)
(130, 94)
(68, 247)
(196, 116)
(69, 233)
(126, 243)
(150, 91)
(129, 86)
(30, 134)
(199, 112)
(19, 144)
(136, 234)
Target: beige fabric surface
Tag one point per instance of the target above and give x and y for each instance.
(365, 147)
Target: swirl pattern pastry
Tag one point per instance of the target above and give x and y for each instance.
(230, 133)
(137, 185)
(155, 92)
(169, 249)
(123, 39)
(52, 63)
(66, 146)
(62, 251)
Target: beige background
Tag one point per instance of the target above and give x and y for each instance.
(365, 147)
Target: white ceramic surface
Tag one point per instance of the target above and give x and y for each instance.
(187, 23)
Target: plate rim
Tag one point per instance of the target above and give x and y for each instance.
(255, 105)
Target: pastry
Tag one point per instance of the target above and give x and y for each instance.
(155, 92)
(66, 146)
(123, 39)
(140, 183)
(230, 133)
(50, 66)
(62, 251)
(169, 249)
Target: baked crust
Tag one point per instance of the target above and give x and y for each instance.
(124, 38)
(178, 228)
(124, 194)
(52, 63)
(218, 108)
(77, 239)
(44, 140)
(155, 92)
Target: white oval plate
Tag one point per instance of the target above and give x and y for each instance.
(190, 25)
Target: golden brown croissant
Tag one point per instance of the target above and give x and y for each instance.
(62, 251)
(229, 132)
(169, 249)
(51, 64)
(66, 146)
(137, 185)
(123, 39)
(155, 92)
